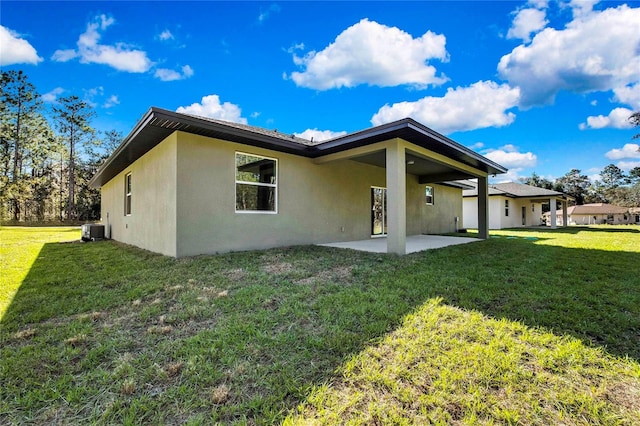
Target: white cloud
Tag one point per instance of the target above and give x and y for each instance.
(629, 150)
(628, 165)
(211, 107)
(512, 175)
(52, 96)
(16, 50)
(90, 95)
(539, 4)
(111, 102)
(629, 95)
(476, 146)
(166, 74)
(595, 176)
(597, 51)
(264, 14)
(64, 55)
(166, 35)
(319, 135)
(119, 56)
(582, 7)
(374, 54)
(511, 158)
(527, 22)
(297, 46)
(618, 118)
(483, 104)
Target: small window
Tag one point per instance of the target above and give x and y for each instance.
(127, 194)
(533, 208)
(506, 207)
(428, 193)
(256, 183)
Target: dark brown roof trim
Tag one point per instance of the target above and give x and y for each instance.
(157, 124)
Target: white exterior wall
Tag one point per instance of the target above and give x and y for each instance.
(470, 212)
(597, 219)
(497, 218)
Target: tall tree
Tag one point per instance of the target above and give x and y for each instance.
(538, 181)
(635, 120)
(25, 138)
(73, 118)
(88, 199)
(575, 184)
(612, 177)
(634, 176)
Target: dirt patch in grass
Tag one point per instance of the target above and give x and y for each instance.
(341, 274)
(25, 334)
(235, 274)
(625, 394)
(279, 268)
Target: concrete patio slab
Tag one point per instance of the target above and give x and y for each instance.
(415, 243)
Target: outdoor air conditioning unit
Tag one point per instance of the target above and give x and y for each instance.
(92, 232)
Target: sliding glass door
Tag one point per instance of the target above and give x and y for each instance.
(378, 211)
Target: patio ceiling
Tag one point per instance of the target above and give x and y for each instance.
(427, 170)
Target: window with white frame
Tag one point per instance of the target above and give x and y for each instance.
(256, 183)
(127, 194)
(506, 207)
(428, 195)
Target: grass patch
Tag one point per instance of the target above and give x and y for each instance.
(543, 328)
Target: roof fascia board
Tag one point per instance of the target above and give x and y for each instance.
(142, 123)
(414, 125)
(362, 138)
(292, 147)
(406, 123)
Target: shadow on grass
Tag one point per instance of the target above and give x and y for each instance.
(244, 336)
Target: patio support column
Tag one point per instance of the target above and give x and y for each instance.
(483, 207)
(552, 206)
(396, 199)
(565, 216)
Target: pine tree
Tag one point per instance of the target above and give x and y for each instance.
(73, 118)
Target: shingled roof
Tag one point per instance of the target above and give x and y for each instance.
(157, 124)
(259, 130)
(597, 208)
(515, 190)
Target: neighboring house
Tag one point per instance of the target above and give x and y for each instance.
(182, 185)
(599, 213)
(512, 205)
(635, 215)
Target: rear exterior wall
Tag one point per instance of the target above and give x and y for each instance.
(316, 203)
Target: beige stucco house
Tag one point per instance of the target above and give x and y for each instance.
(513, 205)
(598, 213)
(182, 185)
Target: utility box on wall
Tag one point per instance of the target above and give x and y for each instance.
(92, 232)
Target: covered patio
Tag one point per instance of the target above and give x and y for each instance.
(407, 147)
(414, 243)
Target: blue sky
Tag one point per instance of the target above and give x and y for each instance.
(536, 86)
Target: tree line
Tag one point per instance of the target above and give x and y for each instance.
(613, 187)
(48, 155)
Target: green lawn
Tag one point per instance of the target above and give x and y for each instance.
(529, 327)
